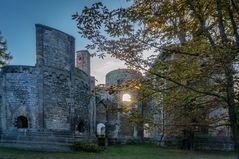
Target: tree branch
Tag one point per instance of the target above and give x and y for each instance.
(234, 25)
(201, 22)
(235, 6)
(220, 22)
(185, 86)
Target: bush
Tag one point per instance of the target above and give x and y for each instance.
(132, 141)
(86, 146)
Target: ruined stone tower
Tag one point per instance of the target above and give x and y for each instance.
(83, 60)
(120, 128)
(49, 105)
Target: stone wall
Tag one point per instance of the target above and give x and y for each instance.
(55, 58)
(56, 99)
(52, 100)
(83, 61)
(101, 114)
(19, 96)
(66, 89)
(54, 48)
(81, 97)
(121, 75)
(220, 128)
(120, 128)
(92, 108)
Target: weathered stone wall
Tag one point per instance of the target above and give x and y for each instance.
(54, 48)
(83, 61)
(220, 128)
(92, 106)
(120, 127)
(66, 99)
(55, 97)
(153, 112)
(66, 90)
(81, 97)
(101, 114)
(19, 96)
(121, 75)
(55, 58)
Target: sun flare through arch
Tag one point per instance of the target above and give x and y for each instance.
(126, 97)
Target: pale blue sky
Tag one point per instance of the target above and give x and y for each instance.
(17, 24)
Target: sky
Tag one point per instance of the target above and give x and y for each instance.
(17, 24)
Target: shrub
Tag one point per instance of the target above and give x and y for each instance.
(86, 146)
(132, 141)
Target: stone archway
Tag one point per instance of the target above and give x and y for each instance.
(22, 122)
(101, 130)
(81, 127)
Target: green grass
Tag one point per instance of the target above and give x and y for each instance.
(118, 152)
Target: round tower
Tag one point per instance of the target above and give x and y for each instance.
(121, 129)
(121, 75)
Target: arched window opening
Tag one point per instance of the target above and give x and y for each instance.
(22, 122)
(147, 133)
(126, 98)
(81, 127)
(101, 130)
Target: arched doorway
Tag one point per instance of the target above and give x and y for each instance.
(147, 133)
(22, 122)
(101, 130)
(81, 127)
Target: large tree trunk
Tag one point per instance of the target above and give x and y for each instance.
(232, 108)
(229, 78)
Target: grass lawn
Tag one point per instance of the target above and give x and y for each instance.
(117, 152)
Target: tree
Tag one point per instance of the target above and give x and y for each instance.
(185, 111)
(203, 33)
(4, 55)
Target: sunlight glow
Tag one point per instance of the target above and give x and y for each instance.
(126, 98)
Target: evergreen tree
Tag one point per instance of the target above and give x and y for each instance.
(4, 55)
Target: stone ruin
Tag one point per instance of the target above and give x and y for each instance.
(51, 102)
(119, 128)
(51, 105)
